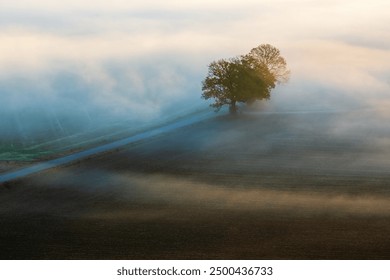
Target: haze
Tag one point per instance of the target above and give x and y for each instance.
(77, 65)
(302, 176)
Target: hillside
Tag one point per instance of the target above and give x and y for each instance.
(282, 185)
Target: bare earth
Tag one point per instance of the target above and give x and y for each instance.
(277, 186)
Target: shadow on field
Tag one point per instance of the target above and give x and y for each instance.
(283, 186)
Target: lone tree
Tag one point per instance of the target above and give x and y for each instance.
(245, 78)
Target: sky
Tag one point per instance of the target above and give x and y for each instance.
(90, 62)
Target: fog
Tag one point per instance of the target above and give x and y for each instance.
(303, 175)
(70, 67)
(118, 194)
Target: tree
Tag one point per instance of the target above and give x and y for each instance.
(245, 78)
(270, 56)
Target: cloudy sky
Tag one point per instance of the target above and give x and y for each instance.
(140, 59)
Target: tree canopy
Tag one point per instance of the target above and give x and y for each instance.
(245, 78)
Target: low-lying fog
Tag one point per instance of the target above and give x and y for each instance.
(72, 66)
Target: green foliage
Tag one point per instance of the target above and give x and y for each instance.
(245, 78)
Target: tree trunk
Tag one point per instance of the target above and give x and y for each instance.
(233, 108)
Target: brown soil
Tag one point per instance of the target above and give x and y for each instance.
(269, 187)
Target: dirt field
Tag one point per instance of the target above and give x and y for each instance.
(273, 186)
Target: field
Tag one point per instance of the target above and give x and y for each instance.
(292, 185)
